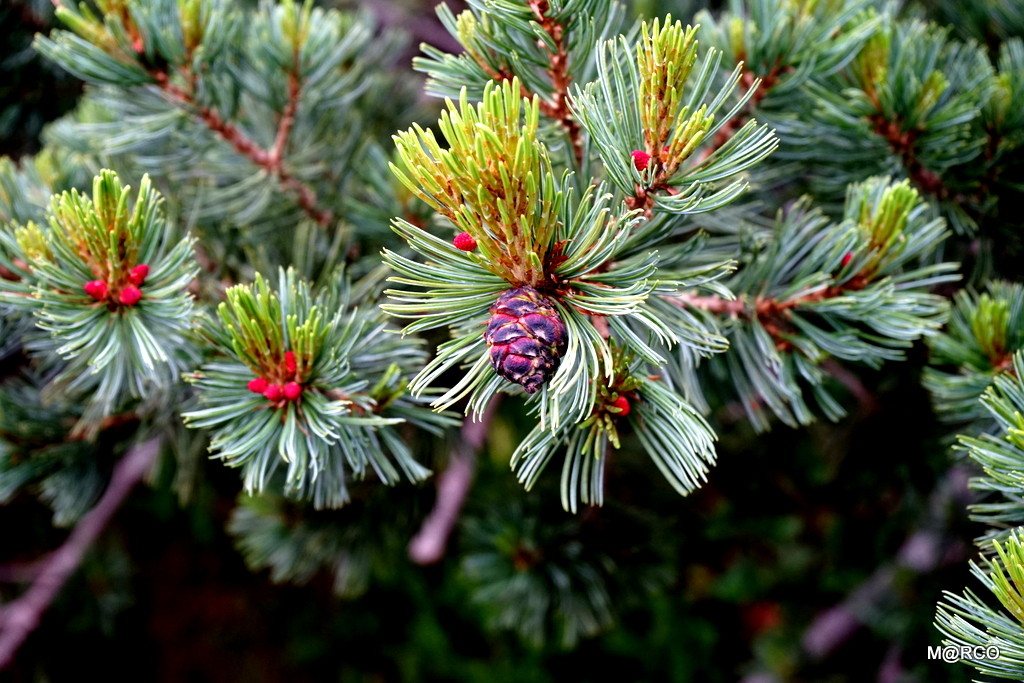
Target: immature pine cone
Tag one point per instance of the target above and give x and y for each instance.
(526, 337)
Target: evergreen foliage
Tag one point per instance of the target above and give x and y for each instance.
(311, 384)
(114, 333)
(641, 231)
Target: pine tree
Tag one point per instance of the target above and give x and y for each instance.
(608, 237)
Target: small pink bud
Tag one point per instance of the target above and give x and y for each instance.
(292, 391)
(138, 274)
(138, 46)
(622, 403)
(846, 260)
(130, 295)
(464, 241)
(640, 160)
(273, 393)
(97, 289)
(289, 363)
(258, 385)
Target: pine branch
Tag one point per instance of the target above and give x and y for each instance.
(769, 311)
(732, 126)
(979, 343)
(272, 159)
(269, 159)
(710, 303)
(558, 70)
(643, 197)
(19, 618)
(428, 546)
(284, 128)
(903, 145)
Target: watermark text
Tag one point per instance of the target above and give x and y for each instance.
(956, 653)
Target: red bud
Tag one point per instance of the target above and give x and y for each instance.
(138, 274)
(640, 160)
(289, 363)
(258, 385)
(292, 391)
(464, 241)
(273, 393)
(846, 259)
(130, 295)
(97, 289)
(622, 403)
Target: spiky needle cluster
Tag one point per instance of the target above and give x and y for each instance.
(984, 333)
(493, 182)
(107, 279)
(309, 385)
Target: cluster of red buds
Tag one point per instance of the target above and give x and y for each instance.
(288, 389)
(129, 294)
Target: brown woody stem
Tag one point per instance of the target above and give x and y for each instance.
(771, 313)
(19, 618)
(558, 70)
(712, 304)
(272, 159)
(428, 546)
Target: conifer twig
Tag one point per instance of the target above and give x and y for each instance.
(19, 618)
(284, 128)
(712, 304)
(558, 70)
(747, 79)
(770, 312)
(428, 545)
(643, 197)
(903, 144)
(271, 159)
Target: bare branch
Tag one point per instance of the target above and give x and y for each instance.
(428, 546)
(925, 550)
(19, 618)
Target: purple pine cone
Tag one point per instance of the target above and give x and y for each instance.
(526, 337)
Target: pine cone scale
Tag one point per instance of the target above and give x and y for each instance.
(526, 337)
